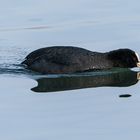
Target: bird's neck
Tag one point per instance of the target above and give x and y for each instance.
(102, 62)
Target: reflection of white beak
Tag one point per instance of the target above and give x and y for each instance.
(138, 76)
(138, 64)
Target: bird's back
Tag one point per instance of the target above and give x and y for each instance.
(61, 59)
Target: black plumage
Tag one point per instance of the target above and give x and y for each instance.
(68, 59)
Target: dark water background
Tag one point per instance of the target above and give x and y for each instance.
(82, 106)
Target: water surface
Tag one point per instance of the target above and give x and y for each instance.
(82, 106)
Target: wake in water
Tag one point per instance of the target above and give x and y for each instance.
(13, 69)
(10, 59)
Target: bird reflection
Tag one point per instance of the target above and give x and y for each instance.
(121, 78)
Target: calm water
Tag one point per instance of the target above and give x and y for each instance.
(66, 107)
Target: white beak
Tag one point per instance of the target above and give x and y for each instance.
(138, 64)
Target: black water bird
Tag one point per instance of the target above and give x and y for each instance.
(68, 59)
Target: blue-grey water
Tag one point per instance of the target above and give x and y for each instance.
(68, 107)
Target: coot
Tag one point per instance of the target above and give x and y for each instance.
(68, 59)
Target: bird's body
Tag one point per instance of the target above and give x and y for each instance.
(68, 59)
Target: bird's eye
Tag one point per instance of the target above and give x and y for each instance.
(135, 59)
